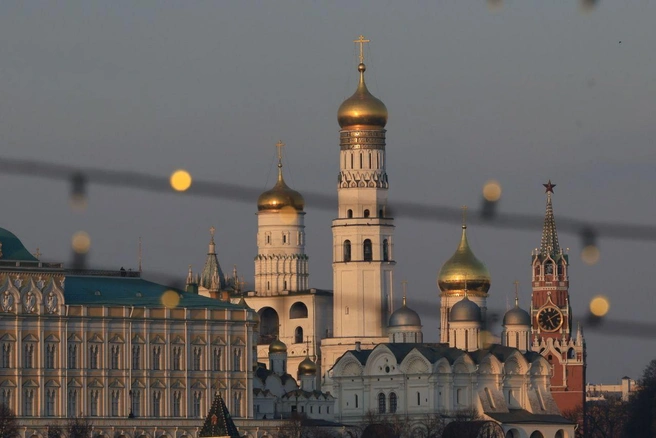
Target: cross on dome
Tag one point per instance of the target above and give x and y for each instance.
(361, 41)
(279, 146)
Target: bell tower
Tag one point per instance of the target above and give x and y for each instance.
(551, 315)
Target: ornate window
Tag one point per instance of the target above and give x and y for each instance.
(347, 250)
(381, 403)
(548, 268)
(72, 356)
(51, 397)
(177, 358)
(51, 350)
(216, 359)
(366, 213)
(115, 354)
(136, 402)
(236, 405)
(385, 250)
(236, 360)
(28, 355)
(367, 253)
(198, 354)
(5, 397)
(5, 361)
(116, 396)
(136, 357)
(93, 402)
(157, 356)
(71, 403)
(177, 398)
(28, 402)
(157, 403)
(198, 396)
(392, 402)
(93, 357)
(298, 335)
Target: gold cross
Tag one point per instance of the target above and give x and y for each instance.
(37, 254)
(361, 41)
(404, 283)
(279, 145)
(516, 283)
(464, 215)
(212, 230)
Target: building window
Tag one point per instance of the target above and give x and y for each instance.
(177, 397)
(268, 239)
(284, 285)
(72, 356)
(298, 335)
(157, 355)
(216, 362)
(198, 352)
(28, 402)
(5, 397)
(392, 402)
(381, 403)
(50, 402)
(418, 398)
(136, 402)
(116, 396)
(114, 357)
(284, 238)
(93, 357)
(93, 403)
(50, 356)
(385, 250)
(136, 357)
(349, 213)
(459, 396)
(380, 213)
(177, 358)
(236, 405)
(356, 400)
(367, 250)
(298, 310)
(157, 403)
(6, 355)
(71, 403)
(198, 396)
(548, 268)
(366, 213)
(236, 359)
(28, 357)
(347, 250)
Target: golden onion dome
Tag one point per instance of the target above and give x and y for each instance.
(307, 367)
(280, 196)
(362, 109)
(463, 271)
(277, 346)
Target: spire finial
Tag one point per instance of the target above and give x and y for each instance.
(516, 283)
(549, 244)
(404, 283)
(212, 230)
(464, 216)
(361, 41)
(212, 248)
(279, 146)
(549, 187)
(190, 276)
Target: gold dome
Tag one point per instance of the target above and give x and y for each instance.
(280, 196)
(277, 346)
(362, 109)
(464, 271)
(307, 367)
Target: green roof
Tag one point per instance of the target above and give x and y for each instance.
(12, 248)
(126, 291)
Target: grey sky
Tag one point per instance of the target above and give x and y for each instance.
(522, 93)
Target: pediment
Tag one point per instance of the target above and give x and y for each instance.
(8, 337)
(138, 384)
(52, 338)
(238, 385)
(30, 384)
(198, 385)
(198, 341)
(30, 338)
(74, 338)
(116, 384)
(157, 340)
(219, 341)
(95, 384)
(138, 339)
(178, 340)
(7, 384)
(73, 383)
(52, 384)
(96, 339)
(178, 385)
(158, 384)
(117, 339)
(238, 342)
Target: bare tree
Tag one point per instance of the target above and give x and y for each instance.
(8, 423)
(79, 428)
(55, 430)
(431, 426)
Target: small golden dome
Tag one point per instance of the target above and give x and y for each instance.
(280, 196)
(464, 271)
(277, 346)
(362, 109)
(307, 367)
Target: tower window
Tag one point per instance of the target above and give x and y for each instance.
(548, 268)
(392, 402)
(367, 250)
(268, 239)
(347, 250)
(298, 335)
(284, 238)
(385, 250)
(360, 160)
(380, 213)
(381, 403)
(349, 213)
(351, 161)
(369, 160)
(366, 213)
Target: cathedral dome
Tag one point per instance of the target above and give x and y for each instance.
(362, 108)
(11, 248)
(277, 346)
(307, 367)
(404, 316)
(280, 196)
(465, 310)
(517, 316)
(464, 271)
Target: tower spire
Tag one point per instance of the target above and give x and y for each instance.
(212, 246)
(279, 146)
(516, 283)
(549, 244)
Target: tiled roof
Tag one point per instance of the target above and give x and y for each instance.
(523, 416)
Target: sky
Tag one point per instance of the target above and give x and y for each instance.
(520, 92)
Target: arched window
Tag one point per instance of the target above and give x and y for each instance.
(459, 396)
(381, 403)
(366, 213)
(360, 160)
(367, 250)
(571, 354)
(380, 213)
(369, 160)
(548, 268)
(385, 250)
(347, 250)
(298, 310)
(284, 238)
(298, 335)
(356, 400)
(351, 161)
(392, 398)
(269, 325)
(349, 213)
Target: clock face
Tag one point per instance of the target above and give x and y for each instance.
(550, 319)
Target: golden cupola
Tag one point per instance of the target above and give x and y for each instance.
(280, 195)
(362, 109)
(463, 271)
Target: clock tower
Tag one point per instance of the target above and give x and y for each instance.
(551, 316)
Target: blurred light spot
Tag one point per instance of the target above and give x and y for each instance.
(494, 5)
(81, 242)
(588, 5)
(180, 180)
(486, 338)
(590, 255)
(170, 299)
(492, 190)
(288, 215)
(599, 305)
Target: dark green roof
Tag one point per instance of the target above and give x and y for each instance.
(517, 416)
(13, 248)
(126, 291)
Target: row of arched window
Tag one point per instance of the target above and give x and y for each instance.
(382, 403)
(366, 213)
(367, 252)
(362, 160)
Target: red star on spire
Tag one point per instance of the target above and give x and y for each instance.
(549, 187)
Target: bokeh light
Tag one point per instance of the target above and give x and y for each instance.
(590, 255)
(288, 215)
(170, 299)
(180, 180)
(492, 190)
(599, 305)
(81, 242)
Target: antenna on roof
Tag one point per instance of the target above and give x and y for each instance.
(139, 254)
